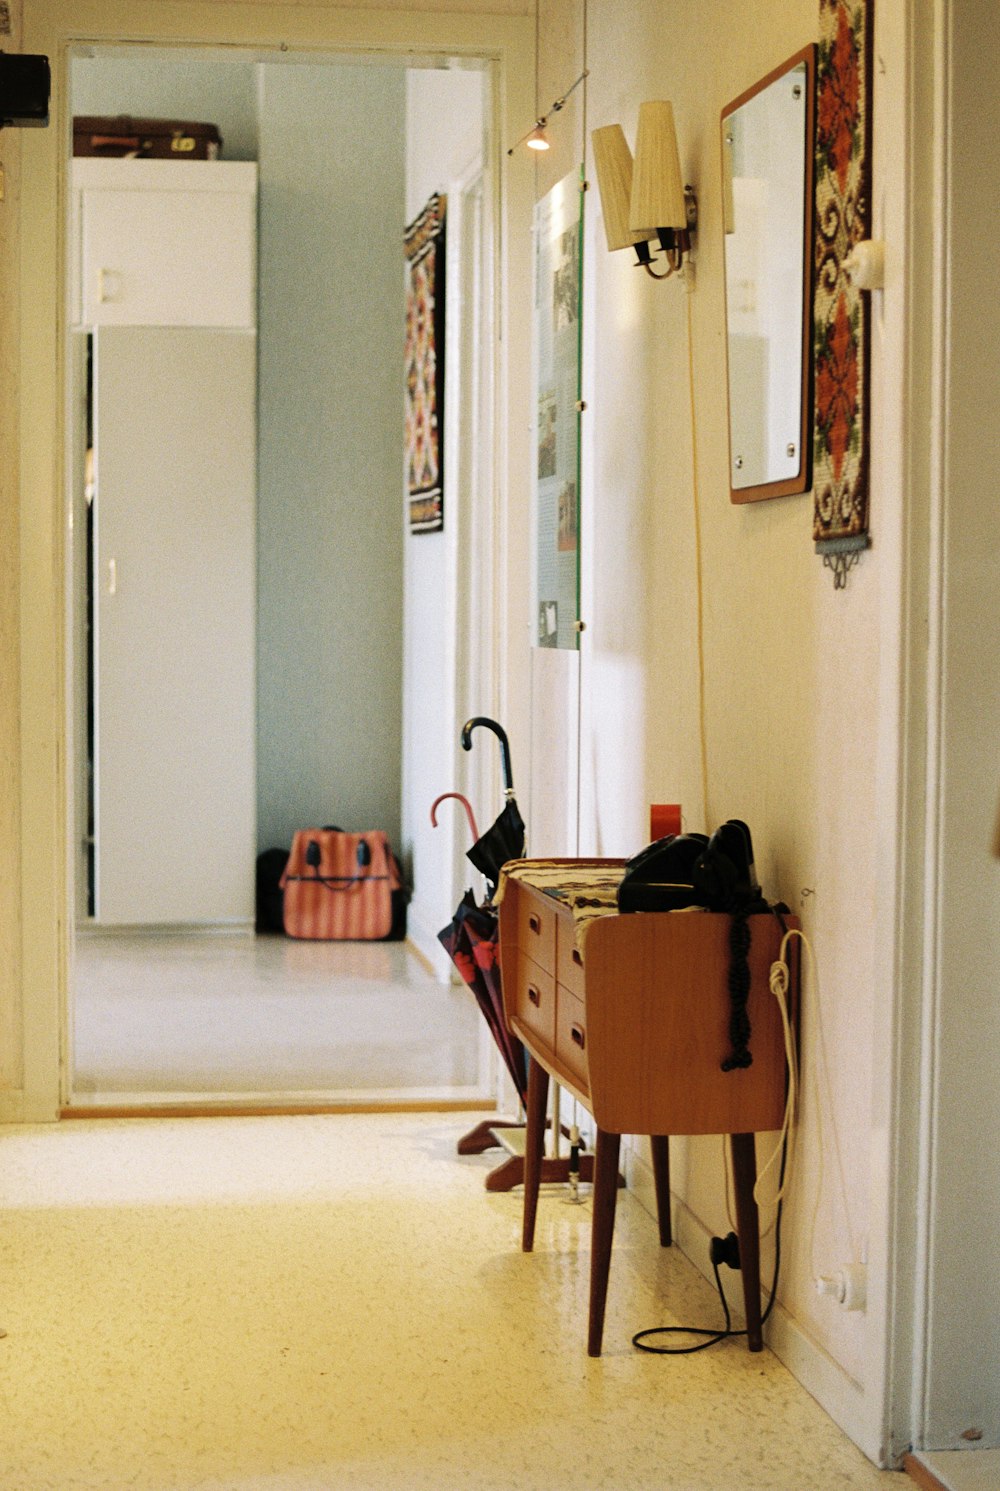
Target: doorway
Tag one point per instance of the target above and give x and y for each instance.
(331, 577)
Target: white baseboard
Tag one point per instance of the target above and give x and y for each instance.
(15, 1108)
(837, 1393)
(12, 1107)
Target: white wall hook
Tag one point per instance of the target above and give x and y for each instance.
(865, 265)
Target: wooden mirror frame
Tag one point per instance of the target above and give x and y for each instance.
(802, 481)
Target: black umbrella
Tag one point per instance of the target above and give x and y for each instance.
(504, 840)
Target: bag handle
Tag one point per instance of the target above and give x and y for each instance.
(339, 882)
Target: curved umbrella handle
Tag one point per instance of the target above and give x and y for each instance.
(501, 735)
(466, 804)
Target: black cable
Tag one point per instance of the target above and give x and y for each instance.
(727, 1332)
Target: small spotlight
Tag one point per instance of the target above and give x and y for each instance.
(538, 139)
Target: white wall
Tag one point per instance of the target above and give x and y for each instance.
(444, 127)
(330, 442)
(794, 726)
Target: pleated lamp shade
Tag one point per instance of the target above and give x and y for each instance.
(657, 186)
(613, 163)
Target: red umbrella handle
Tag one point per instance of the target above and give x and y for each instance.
(466, 804)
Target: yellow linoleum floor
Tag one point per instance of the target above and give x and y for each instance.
(337, 1304)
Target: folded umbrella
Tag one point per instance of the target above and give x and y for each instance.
(504, 839)
(471, 940)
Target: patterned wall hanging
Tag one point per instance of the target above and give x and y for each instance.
(841, 312)
(424, 242)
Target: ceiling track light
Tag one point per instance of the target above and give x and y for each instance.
(536, 137)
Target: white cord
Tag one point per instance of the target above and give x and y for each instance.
(778, 983)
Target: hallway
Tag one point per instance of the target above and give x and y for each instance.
(336, 1304)
(165, 1016)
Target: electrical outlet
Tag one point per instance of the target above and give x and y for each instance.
(848, 1286)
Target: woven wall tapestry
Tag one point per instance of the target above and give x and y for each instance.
(424, 243)
(841, 312)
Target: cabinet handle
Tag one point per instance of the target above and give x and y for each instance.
(534, 997)
(109, 286)
(535, 923)
(112, 577)
(577, 957)
(577, 1036)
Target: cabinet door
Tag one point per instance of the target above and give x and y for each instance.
(166, 257)
(174, 607)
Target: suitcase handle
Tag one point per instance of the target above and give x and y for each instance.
(115, 142)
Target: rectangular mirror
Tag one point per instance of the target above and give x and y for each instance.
(767, 183)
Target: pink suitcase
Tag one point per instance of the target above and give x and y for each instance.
(339, 886)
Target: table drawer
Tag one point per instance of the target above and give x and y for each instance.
(536, 928)
(535, 1000)
(571, 1036)
(569, 959)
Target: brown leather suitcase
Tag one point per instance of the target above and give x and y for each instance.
(146, 139)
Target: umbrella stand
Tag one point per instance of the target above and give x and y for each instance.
(556, 1169)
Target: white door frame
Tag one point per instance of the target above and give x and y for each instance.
(55, 28)
(942, 1244)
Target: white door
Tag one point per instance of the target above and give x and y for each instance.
(174, 611)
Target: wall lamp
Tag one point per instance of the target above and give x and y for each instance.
(645, 199)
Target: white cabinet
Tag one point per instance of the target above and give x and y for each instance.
(164, 243)
(175, 638)
(166, 286)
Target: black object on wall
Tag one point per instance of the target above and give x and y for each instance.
(25, 85)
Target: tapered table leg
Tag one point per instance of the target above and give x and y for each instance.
(660, 1147)
(602, 1232)
(748, 1231)
(538, 1092)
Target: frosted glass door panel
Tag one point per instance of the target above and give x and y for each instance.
(174, 588)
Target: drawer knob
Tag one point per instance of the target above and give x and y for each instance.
(577, 1036)
(534, 996)
(535, 923)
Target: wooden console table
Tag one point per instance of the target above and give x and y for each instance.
(631, 1015)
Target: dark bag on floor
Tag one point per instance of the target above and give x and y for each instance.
(341, 886)
(270, 897)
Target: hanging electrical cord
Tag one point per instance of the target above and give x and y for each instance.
(698, 563)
